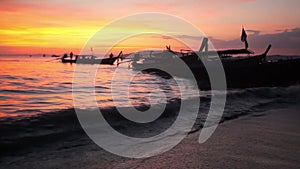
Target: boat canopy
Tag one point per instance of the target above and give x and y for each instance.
(234, 52)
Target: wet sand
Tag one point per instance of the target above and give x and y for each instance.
(268, 139)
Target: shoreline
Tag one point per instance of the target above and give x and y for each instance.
(267, 139)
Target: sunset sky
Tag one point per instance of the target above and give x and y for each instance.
(58, 26)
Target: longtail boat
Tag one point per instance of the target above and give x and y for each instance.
(91, 59)
(240, 71)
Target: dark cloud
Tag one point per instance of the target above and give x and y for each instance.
(179, 37)
(285, 40)
(254, 32)
(189, 37)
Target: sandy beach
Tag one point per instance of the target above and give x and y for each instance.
(268, 139)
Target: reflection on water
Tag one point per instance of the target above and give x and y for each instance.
(35, 85)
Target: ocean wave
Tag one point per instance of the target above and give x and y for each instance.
(64, 123)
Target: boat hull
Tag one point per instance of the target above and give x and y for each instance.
(107, 61)
(245, 75)
(241, 73)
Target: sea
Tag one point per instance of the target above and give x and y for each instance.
(37, 99)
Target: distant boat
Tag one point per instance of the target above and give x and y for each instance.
(91, 59)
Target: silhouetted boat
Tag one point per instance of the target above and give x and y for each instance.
(192, 58)
(240, 72)
(90, 59)
(252, 71)
(225, 56)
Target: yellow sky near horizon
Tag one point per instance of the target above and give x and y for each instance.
(60, 26)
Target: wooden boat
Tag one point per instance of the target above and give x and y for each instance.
(226, 57)
(91, 59)
(252, 71)
(240, 72)
(193, 58)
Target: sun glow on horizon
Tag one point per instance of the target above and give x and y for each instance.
(60, 26)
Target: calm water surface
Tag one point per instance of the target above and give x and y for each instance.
(33, 85)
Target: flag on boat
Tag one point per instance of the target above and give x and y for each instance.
(243, 36)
